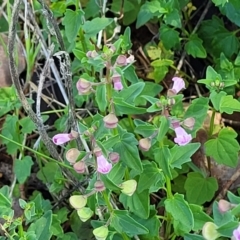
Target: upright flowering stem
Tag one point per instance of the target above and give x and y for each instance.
(109, 205)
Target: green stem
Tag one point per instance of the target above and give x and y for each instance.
(169, 187)
(35, 152)
(125, 237)
(212, 122)
(109, 206)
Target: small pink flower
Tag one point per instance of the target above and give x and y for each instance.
(62, 138)
(175, 124)
(178, 85)
(117, 83)
(182, 137)
(84, 86)
(103, 166)
(110, 121)
(236, 234)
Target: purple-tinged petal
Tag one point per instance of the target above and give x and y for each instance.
(62, 138)
(178, 84)
(182, 137)
(103, 166)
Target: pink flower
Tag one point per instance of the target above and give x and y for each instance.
(117, 84)
(103, 166)
(62, 138)
(182, 137)
(110, 121)
(236, 234)
(178, 85)
(121, 60)
(84, 86)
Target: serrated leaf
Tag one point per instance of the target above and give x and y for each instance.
(200, 189)
(22, 168)
(27, 125)
(181, 213)
(123, 223)
(173, 18)
(224, 149)
(229, 105)
(93, 27)
(195, 48)
(167, 33)
(72, 22)
(182, 154)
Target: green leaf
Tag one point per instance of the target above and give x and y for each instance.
(130, 74)
(173, 18)
(41, 227)
(151, 177)
(229, 105)
(169, 36)
(138, 203)
(219, 2)
(224, 149)
(162, 156)
(128, 151)
(181, 213)
(122, 107)
(129, 94)
(27, 125)
(220, 218)
(198, 109)
(195, 48)
(200, 189)
(93, 27)
(22, 168)
(147, 11)
(72, 22)
(5, 202)
(182, 154)
(144, 128)
(216, 98)
(200, 217)
(163, 128)
(123, 223)
(189, 236)
(228, 228)
(101, 97)
(108, 183)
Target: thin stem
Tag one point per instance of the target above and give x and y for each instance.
(109, 206)
(212, 122)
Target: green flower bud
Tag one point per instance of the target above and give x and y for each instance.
(101, 233)
(84, 214)
(78, 201)
(209, 231)
(129, 187)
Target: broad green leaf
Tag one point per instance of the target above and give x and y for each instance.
(173, 18)
(233, 198)
(227, 229)
(181, 213)
(200, 189)
(216, 97)
(224, 148)
(41, 227)
(144, 128)
(147, 11)
(131, 75)
(229, 105)
(225, 63)
(182, 154)
(200, 217)
(72, 22)
(128, 151)
(22, 168)
(123, 223)
(219, 2)
(162, 156)
(122, 107)
(167, 33)
(138, 203)
(195, 48)
(129, 94)
(163, 128)
(151, 177)
(189, 236)
(108, 183)
(231, 10)
(27, 125)
(220, 218)
(101, 97)
(198, 110)
(4, 201)
(117, 173)
(93, 27)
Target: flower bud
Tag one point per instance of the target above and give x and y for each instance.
(217, 83)
(128, 187)
(84, 214)
(100, 233)
(92, 54)
(144, 144)
(78, 201)
(61, 138)
(79, 166)
(117, 83)
(110, 121)
(121, 60)
(224, 206)
(74, 134)
(72, 155)
(212, 84)
(83, 86)
(175, 123)
(189, 123)
(114, 157)
(171, 101)
(221, 85)
(99, 186)
(209, 231)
